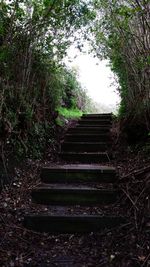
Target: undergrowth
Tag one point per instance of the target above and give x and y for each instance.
(70, 113)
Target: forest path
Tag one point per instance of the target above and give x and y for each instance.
(79, 195)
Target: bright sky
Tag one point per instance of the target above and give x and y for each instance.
(96, 76)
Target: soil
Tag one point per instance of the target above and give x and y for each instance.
(127, 246)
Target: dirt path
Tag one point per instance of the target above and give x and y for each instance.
(124, 245)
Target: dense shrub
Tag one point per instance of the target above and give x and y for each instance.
(34, 37)
(122, 31)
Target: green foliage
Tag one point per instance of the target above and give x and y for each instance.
(34, 37)
(65, 114)
(69, 113)
(121, 31)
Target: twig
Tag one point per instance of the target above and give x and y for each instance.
(3, 160)
(140, 195)
(145, 260)
(135, 218)
(137, 172)
(23, 229)
(130, 199)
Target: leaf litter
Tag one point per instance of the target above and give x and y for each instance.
(126, 246)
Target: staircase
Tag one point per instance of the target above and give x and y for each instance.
(76, 193)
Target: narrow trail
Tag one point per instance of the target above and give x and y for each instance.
(85, 183)
(88, 209)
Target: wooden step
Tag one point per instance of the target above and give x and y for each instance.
(94, 125)
(90, 157)
(70, 224)
(84, 137)
(89, 130)
(47, 195)
(84, 146)
(97, 116)
(78, 174)
(94, 122)
(101, 119)
(72, 186)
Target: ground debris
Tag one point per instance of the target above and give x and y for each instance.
(125, 246)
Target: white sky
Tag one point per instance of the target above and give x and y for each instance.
(95, 75)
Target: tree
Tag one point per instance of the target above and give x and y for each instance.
(122, 35)
(34, 37)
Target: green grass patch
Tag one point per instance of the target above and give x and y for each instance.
(69, 113)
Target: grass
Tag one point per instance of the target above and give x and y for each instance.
(69, 113)
(65, 113)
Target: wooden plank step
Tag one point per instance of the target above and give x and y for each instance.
(90, 157)
(70, 224)
(78, 174)
(103, 115)
(94, 130)
(94, 122)
(84, 146)
(46, 195)
(103, 137)
(100, 119)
